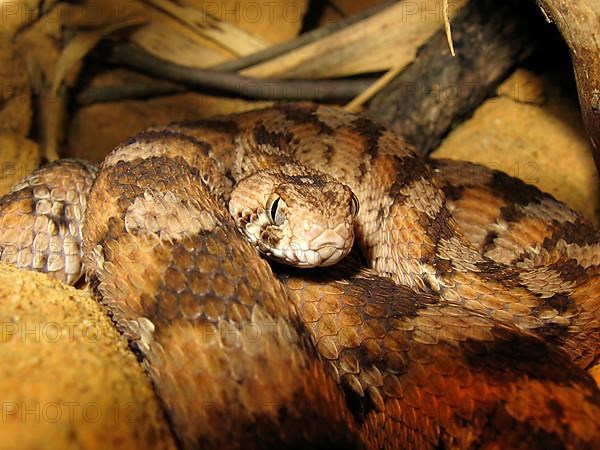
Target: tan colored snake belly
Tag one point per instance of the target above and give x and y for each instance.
(226, 344)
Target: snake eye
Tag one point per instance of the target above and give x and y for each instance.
(274, 210)
(354, 205)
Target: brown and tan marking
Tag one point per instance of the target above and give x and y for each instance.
(214, 326)
(168, 262)
(40, 220)
(437, 375)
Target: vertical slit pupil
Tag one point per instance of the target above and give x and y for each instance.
(274, 208)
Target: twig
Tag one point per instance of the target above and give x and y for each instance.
(378, 85)
(232, 83)
(305, 38)
(338, 9)
(113, 93)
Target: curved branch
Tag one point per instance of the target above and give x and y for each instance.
(232, 83)
(579, 23)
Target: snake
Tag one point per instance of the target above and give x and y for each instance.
(465, 315)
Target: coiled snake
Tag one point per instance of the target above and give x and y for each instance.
(466, 331)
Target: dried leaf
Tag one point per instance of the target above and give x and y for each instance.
(224, 34)
(78, 47)
(388, 39)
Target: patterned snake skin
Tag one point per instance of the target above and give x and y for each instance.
(473, 345)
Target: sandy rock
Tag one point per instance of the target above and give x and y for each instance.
(595, 373)
(533, 132)
(95, 129)
(68, 379)
(15, 95)
(19, 157)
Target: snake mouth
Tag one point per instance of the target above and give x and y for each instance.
(330, 254)
(322, 257)
(326, 249)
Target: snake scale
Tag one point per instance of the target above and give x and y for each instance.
(471, 326)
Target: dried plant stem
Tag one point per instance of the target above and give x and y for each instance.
(379, 84)
(447, 28)
(304, 39)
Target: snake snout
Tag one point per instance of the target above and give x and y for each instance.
(329, 245)
(328, 238)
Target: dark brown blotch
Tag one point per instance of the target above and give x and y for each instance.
(439, 228)
(581, 233)
(307, 116)
(453, 192)
(514, 190)
(408, 169)
(277, 139)
(488, 241)
(370, 132)
(511, 356)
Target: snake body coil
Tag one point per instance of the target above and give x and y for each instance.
(452, 356)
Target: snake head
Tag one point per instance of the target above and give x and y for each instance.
(304, 220)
